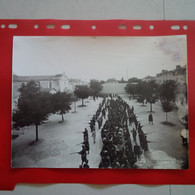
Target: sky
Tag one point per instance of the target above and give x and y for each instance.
(99, 57)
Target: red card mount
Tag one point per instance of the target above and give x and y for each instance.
(9, 28)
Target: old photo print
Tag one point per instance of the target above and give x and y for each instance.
(100, 102)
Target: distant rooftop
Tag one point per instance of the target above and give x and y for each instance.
(17, 78)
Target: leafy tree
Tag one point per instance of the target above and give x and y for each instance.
(167, 96)
(96, 87)
(33, 106)
(131, 89)
(134, 80)
(141, 90)
(82, 91)
(112, 80)
(151, 93)
(61, 103)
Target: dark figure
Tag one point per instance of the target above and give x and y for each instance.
(85, 134)
(150, 119)
(104, 162)
(94, 136)
(184, 141)
(86, 164)
(134, 134)
(145, 143)
(100, 120)
(83, 155)
(86, 144)
(137, 152)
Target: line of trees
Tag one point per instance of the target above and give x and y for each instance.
(34, 106)
(151, 92)
(83, 91)
(145, 91)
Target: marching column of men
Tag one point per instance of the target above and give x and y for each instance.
(117, 151)
(115, 117)
(85, 149)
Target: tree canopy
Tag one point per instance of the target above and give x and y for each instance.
(82, 91)
(33, 106)
(61, 103)
(131, 89)
(96, 87)
(134, 80)
(151, 93)
(141, 90)
(167, 95)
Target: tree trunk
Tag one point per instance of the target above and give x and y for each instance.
(166, 117)
(82, 102)
(75, 106)
(150, 107)
(62, 118)
(37, 133)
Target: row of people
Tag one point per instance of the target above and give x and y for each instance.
(118, 150)
(85, 150)
(117, 147)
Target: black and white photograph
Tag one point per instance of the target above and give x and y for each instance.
(115, 102)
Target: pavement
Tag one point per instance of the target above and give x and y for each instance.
(163, 137)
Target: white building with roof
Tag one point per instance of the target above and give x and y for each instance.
(179, 74)
(50, 83)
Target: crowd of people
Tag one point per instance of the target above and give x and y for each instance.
(122, 136)
(119, 150)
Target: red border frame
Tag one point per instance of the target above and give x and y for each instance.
(9, 177)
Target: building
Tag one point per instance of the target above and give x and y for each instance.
(112, 86)
(179, 74)
(148, 78)
(76, 82)
(50, 83)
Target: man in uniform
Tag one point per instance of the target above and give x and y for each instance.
(94, 136)
(137, 152)
(83, 155)
(85, 134)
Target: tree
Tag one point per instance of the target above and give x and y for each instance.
(131, 89)
(167, 96)
(82, 91)
(141, 90)
(61, 103)
(33, 106)
(134, 80)
(151, 93)
(96, 87)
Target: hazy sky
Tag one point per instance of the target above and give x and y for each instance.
(97, 57)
